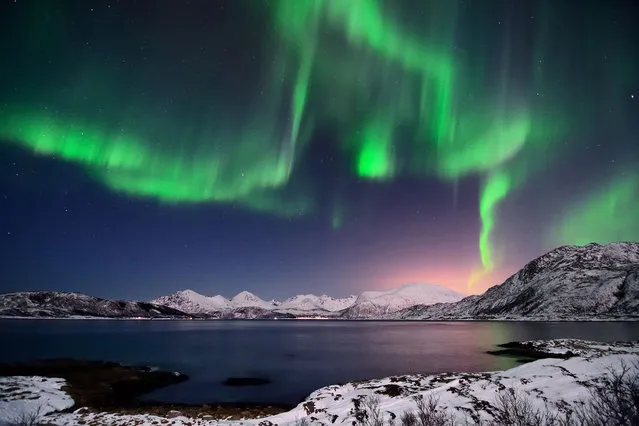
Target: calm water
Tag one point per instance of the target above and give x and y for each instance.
(298, 356)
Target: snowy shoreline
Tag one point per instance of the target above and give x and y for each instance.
(554, 384)
(324, 319)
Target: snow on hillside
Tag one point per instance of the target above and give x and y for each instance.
(247, 299)
(568, 283)
(552, 384)
(367, 305)
(54, 304)
(373, 304)
(310, 302)
(193, 302)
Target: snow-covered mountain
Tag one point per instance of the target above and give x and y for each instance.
(570, 282)
(246, 299)
(370, 304)
(218, 306)
(312, 303)
(376, 304)
(193, 302)
(60, 305)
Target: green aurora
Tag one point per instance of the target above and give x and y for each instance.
(404, 100)
(605, 216)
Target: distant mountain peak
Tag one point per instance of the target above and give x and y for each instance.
(193, 302)
(245, 295)
(372, 304)
(417, 289)
(246, 299)
(311, 302)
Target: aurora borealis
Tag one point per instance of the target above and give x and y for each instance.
(363, 143)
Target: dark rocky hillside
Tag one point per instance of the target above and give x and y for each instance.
(570, 282)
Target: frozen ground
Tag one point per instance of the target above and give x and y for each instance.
(550, 384)
(29, 397)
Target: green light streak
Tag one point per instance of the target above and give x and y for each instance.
(123, 163)
(337, 218)
(607, 215)
(374, 159)
(301, 88)
(495, 189)
(364, 25)
(480, 145)
(74, 142)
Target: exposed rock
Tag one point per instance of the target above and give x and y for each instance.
(62, 305)
(174, 413)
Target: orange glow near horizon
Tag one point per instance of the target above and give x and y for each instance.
(454, 263)
(456, 278)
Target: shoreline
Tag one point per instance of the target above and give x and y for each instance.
(106, 393)
(527, 320)
(98, 386)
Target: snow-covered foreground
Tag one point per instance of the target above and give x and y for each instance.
(28, 397)
(549, 384)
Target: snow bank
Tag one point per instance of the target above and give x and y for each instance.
(24, 397)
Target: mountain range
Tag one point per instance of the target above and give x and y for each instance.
(52, 304)
(567, 283)
(370, 304)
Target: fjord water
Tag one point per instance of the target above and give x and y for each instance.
(297, 356)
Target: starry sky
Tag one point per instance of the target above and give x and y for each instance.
(310, 146)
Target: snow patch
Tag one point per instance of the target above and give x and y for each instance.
(22, 396)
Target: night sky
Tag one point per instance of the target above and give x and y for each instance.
(310, 146)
